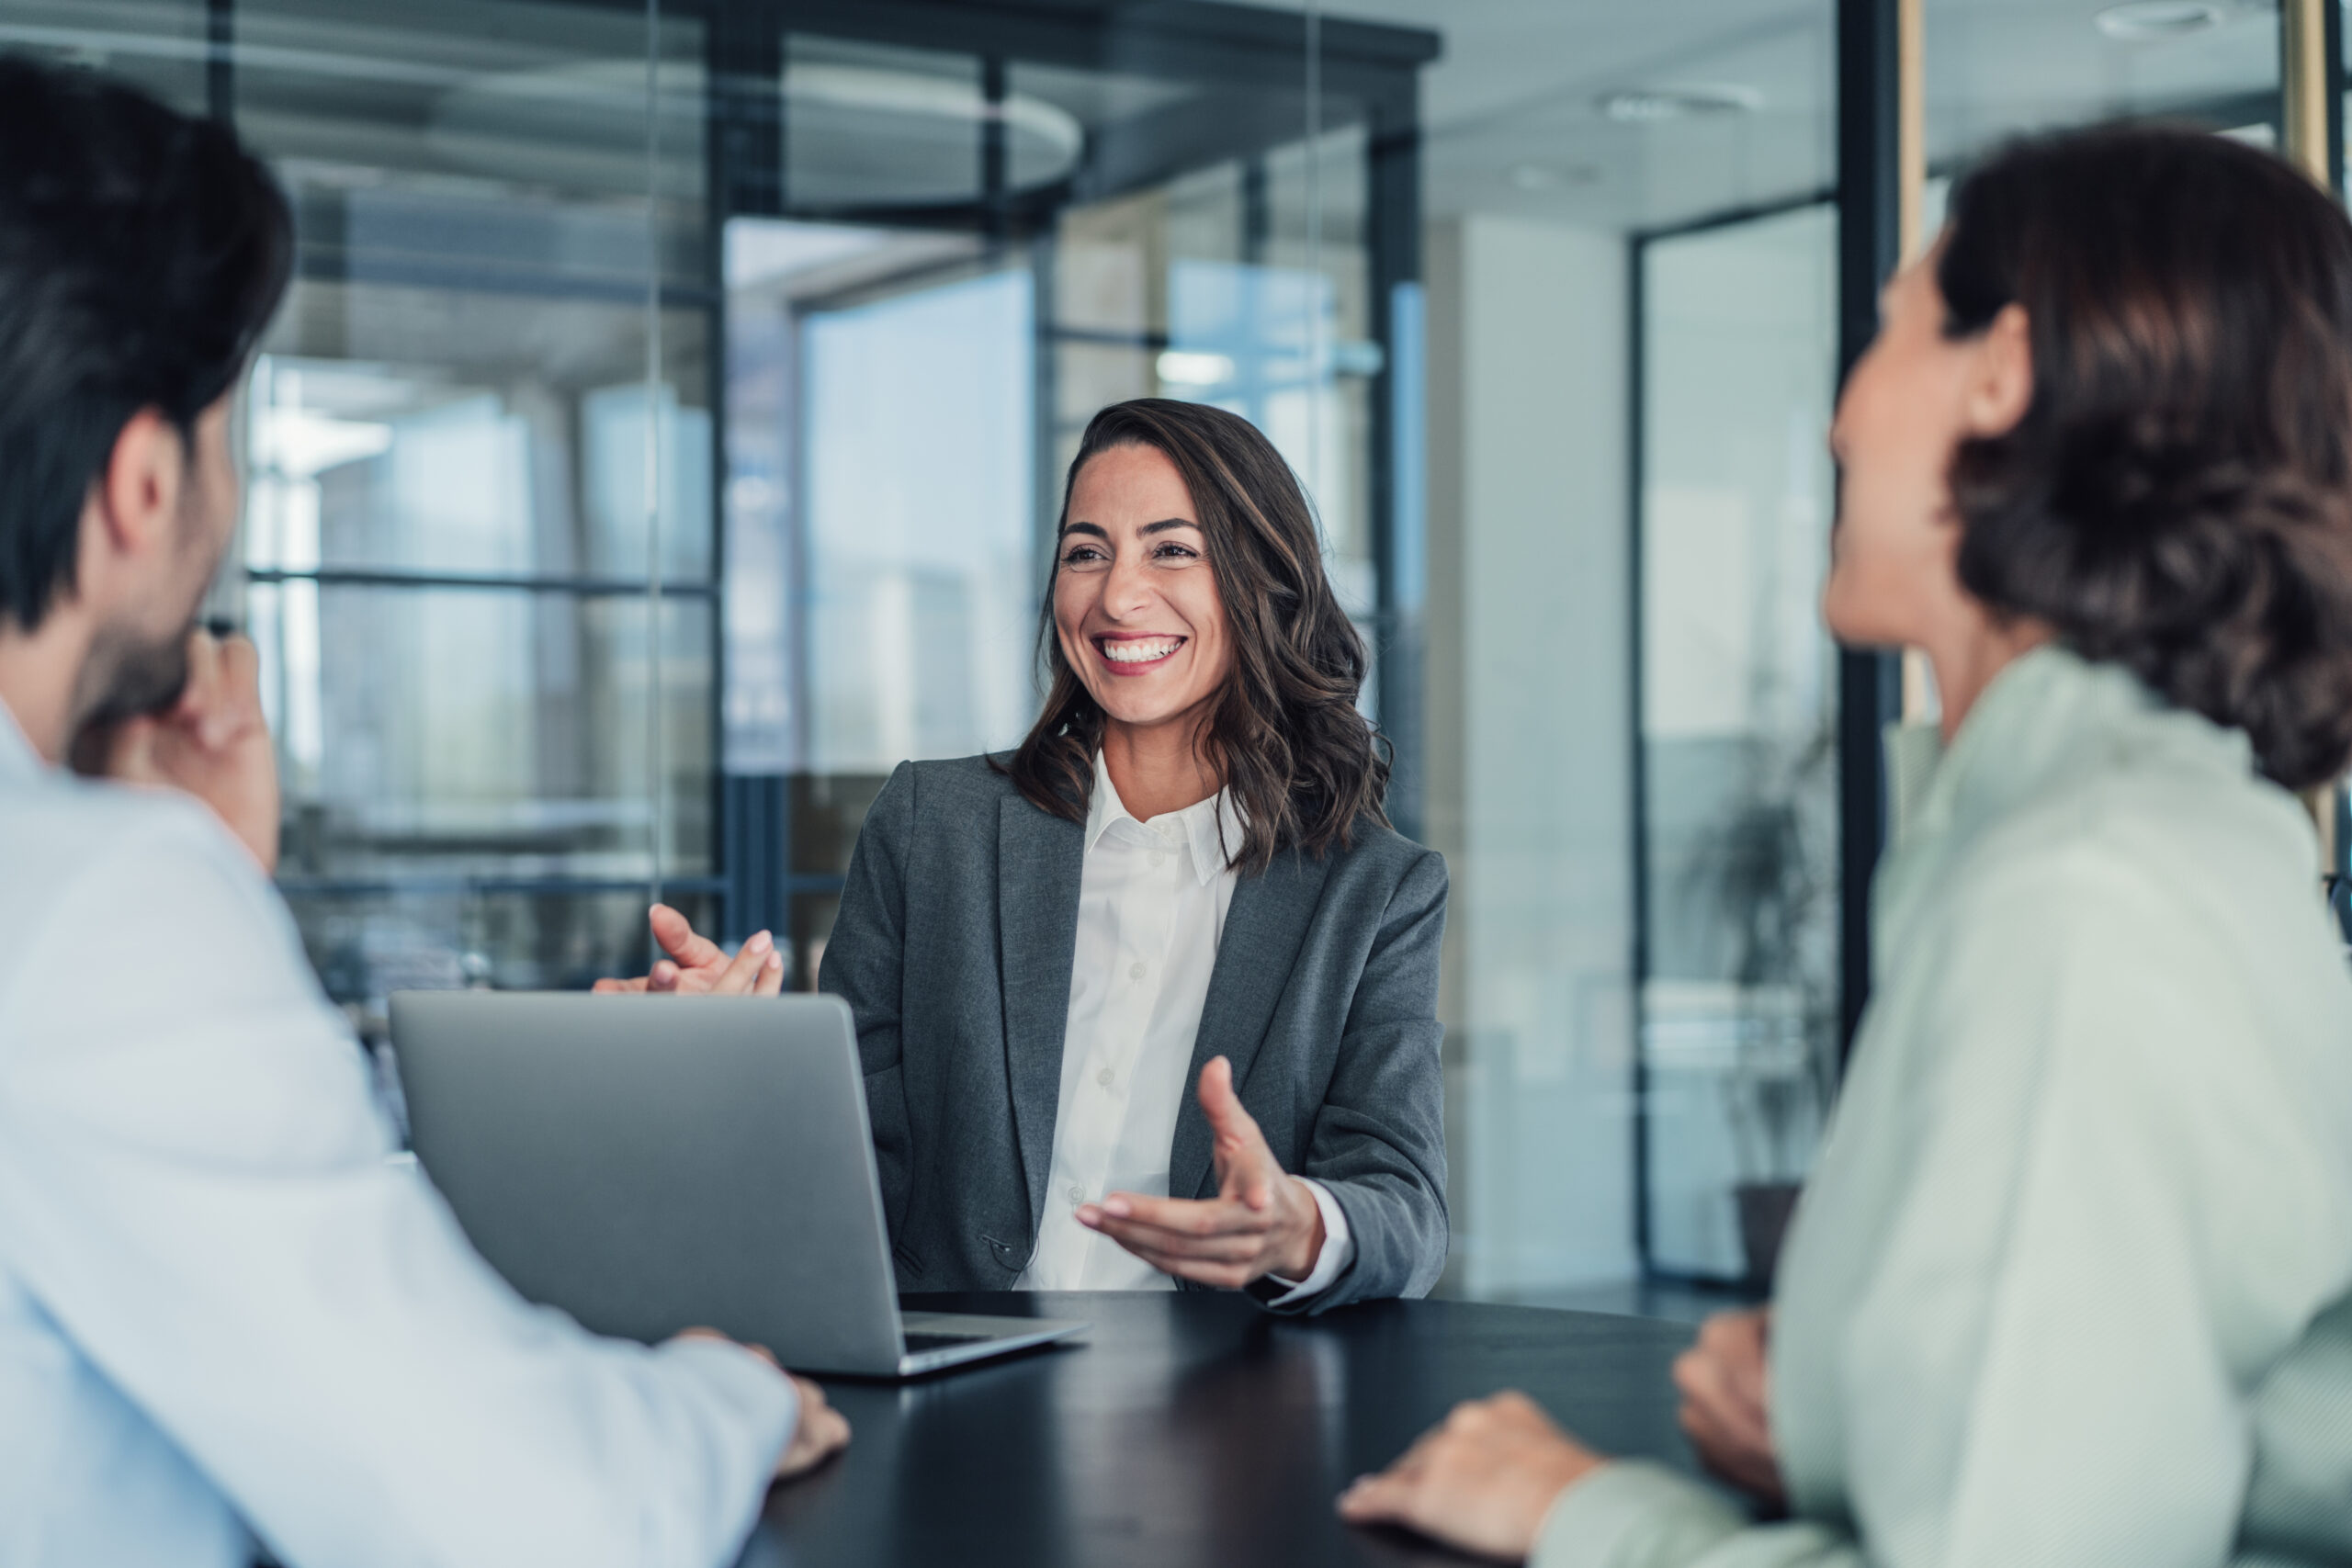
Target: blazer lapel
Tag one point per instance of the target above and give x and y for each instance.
(1040, 859)
(1264, 930)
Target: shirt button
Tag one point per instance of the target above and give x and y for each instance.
(1135, 973)
(1077, 1196)
(1158, 860)
(1105, 1077)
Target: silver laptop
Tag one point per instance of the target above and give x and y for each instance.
(649, 1164)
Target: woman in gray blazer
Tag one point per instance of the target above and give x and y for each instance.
(1151, 1001)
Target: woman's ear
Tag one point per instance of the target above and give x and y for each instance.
(2000, 380)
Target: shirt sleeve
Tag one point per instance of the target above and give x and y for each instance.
(2118, 1203)
(194, 1183)
(1339, 1251)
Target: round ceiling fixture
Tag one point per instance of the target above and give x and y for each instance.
(2142, 21)
(1695, 100)
(1536, 178)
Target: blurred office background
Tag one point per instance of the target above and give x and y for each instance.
(665, 430)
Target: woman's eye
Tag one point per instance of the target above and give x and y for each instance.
(1081, 555)
(1180, 552)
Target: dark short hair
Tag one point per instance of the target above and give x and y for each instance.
(142, 253)
(1303, 765)
(2178, 497)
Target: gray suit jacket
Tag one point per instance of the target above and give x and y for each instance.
(953, 948)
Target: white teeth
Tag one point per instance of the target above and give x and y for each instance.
(1141, 650)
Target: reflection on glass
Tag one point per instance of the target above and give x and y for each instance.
(1739, 1006)
(921, 519)
(464, 473)
(411, 454)
(441, 734)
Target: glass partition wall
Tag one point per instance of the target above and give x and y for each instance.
(1640, 241)
(478, 551)
(660, 438)
(1736, 843)
(1630, 271)
(1740, 842)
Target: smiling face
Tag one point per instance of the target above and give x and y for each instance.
(1135, 604)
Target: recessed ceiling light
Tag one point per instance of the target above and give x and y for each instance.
(2140, 21)
(1186, 367)
(1648, 106)
(1549, 176)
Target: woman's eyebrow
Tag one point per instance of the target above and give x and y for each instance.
(1093, 528)
(1167, 523)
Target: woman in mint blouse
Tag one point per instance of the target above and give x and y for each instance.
(2072, 1282)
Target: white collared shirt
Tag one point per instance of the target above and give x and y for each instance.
(223, 1310)
(1151, 904)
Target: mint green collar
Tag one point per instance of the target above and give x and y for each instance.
(2048, 710)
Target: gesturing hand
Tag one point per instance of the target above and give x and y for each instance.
(1725, 1384)
(1261, 1222)
(1484, 1479)
(699, 966)
(212, 744)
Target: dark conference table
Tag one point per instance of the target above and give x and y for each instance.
(1193, 1429)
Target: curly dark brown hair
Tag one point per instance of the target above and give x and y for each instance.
(1303, 764)
(2175, 499)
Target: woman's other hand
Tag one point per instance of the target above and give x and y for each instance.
(699, 966)
(1261, 1222)
(1725, 1380)
(1482, 1480)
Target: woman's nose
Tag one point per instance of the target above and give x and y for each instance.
(1127, 587)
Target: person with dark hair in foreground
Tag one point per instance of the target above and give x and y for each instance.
(1182, 879)
(224, 1316)
(2072, 1282)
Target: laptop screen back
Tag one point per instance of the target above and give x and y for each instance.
(649, 1164)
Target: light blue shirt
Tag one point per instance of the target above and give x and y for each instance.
(224, 1316)
(2072, 1282)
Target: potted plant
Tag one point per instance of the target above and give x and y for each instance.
(1771, 884)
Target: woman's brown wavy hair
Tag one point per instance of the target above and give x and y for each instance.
(1303, 764)
(2178, 497)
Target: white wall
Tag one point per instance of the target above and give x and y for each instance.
(1530, 782)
